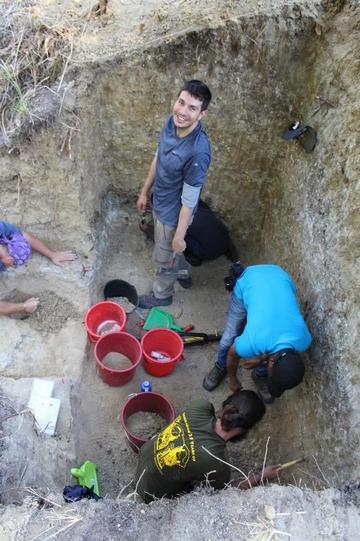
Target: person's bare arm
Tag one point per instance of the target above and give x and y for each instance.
(232, 362)
(253, 362)
(149, 181)
(8, 308)
(255, 479)
(185, 216)
(56, 257)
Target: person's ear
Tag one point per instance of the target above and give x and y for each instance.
(203, 114)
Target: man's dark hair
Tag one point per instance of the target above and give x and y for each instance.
(199, 90)
(243, 409)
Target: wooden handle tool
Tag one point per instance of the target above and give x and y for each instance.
(291, 463)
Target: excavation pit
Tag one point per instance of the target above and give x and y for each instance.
(267, 66)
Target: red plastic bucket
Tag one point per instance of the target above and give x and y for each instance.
(166, 342)
(117, 342)
(150, 401)
(100, 313)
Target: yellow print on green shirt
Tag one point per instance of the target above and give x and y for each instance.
(174, 446)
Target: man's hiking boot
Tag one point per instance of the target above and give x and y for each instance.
(186, 283)
(214, 377)
(262, 388)
(148, 301)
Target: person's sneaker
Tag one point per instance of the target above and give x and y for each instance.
(148, 301)
(214, 377)
(186, 283)
(262, 388)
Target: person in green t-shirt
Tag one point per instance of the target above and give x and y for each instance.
(191, 449)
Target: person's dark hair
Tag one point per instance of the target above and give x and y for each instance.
(199, 90)
(243, 409)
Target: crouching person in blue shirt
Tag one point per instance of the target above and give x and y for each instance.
(264, 331)
(15, 250)
(177, 175)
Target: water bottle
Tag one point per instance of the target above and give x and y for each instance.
(145, 386)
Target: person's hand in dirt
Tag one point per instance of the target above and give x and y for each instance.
(234, 385)
(58, 258)
(269, 473)
(9, 308)
(30, 305)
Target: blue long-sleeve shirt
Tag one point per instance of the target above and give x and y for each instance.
(7, 229)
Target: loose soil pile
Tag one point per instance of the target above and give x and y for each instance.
(117, 361)
(145, 424)
(124, 302)
(52, 314)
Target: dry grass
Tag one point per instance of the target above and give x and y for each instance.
(60, 519)
(34, 54)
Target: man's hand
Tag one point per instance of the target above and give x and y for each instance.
(178, 245)
(234, 385)
(58, 257)
(271, 472)
(253, 362)
(232, 361)
(142, 202)
(255, 479)
(5, 258)
(31, 304)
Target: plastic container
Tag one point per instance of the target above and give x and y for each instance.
(118, 342)
(145, 387)
(166, 342)
(153, 402)
(100, 313)
(120, 288)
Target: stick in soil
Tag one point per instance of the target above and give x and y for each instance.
(291, 463)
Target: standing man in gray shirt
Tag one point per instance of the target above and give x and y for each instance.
(177, 175)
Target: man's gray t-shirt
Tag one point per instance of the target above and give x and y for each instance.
(181, 168)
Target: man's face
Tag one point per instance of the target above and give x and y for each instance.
(187, 111)
(5, 258)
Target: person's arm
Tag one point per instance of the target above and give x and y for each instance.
(56, 257)
(255, 479)
(8, 308)
(232, 362)
(149, 181)
(194, 178)
(185, 216)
